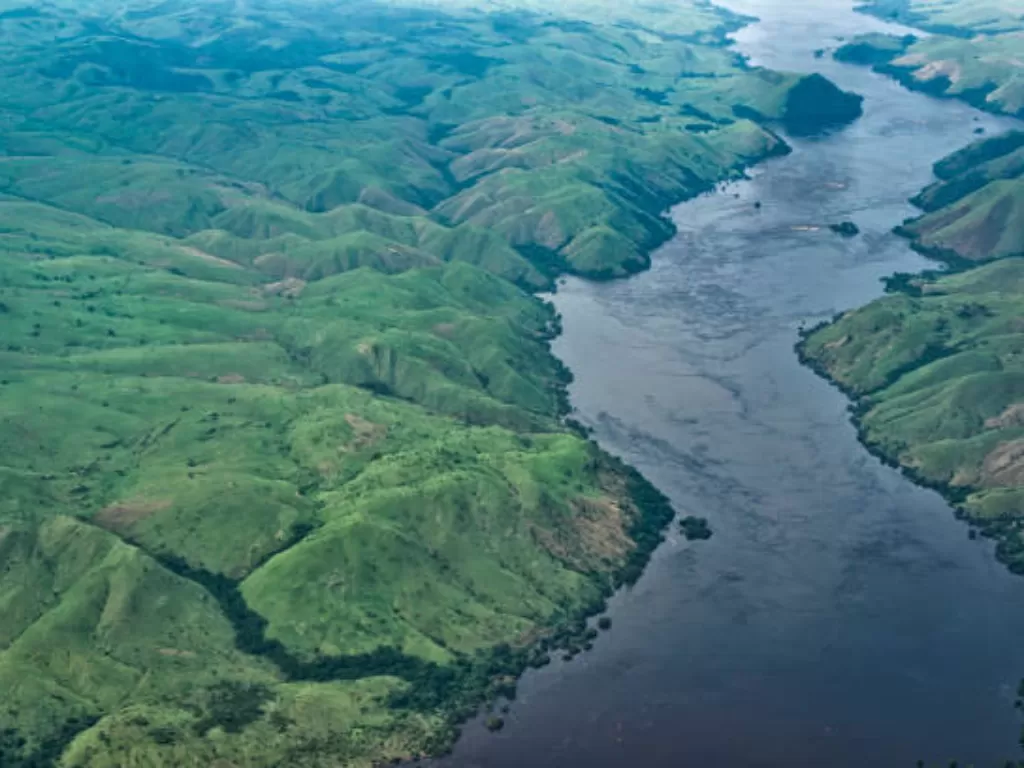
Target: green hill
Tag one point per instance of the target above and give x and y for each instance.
(961, 18)
(936, 368)
(972, 53)
(938, 378)
(975, 211)
(178, 448)
(284, 473)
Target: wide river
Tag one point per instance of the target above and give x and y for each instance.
(840, 616)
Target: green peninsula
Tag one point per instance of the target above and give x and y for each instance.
(973, 51)
(974, 212)
(284, 473)
(936, 368)
(936, 371)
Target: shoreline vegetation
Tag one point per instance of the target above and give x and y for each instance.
(934, 370)
(287, 472)
(972, 51)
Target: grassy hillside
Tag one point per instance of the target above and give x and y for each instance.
(937, 372)
(279, 477)
(963, 18)
(300, 142)
(975, 211)
(936, 368)
(284, 478)
(972, 54)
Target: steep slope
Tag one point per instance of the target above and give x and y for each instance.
(975, 211)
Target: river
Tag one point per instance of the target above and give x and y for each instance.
(840, 616)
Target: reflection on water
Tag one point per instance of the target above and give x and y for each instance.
(840, 616)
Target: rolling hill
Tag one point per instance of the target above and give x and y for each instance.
(285, 473)
(973, 51)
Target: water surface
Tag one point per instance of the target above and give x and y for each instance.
(840, 616)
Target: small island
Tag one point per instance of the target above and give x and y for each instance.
(695, 528)
(845, 228)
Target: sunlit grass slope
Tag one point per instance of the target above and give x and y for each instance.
(975, 211)
(163, 433)
(326, 148)
(938, 374)
(973, 53)
(937, 367)
(284, 478)
(965, 18)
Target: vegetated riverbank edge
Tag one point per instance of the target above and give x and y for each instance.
(655, 511)
(958, 180)
(858, 407)
(654, 508)
(970, 59)
(860, 403)
(912, 363)
(860, 52)
(573, 635)
(473, 676)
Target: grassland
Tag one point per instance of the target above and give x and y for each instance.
(937, 373)
(974, 212)
(961, 18)
(284, 476)
(936, 368)
(538, 145)
(973, 52)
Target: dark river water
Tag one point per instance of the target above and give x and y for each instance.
(840, 616)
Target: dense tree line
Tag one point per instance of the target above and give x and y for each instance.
(457, 689)
(647, 529)
(13, 753)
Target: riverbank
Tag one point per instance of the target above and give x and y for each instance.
(970, 53)
(931, 369)
(936, 385)
(687, 372)
(286, 473)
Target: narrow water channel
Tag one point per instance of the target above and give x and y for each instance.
(840, 616)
